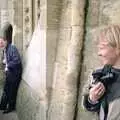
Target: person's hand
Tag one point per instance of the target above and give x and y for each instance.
(96, 92)
(6, 68)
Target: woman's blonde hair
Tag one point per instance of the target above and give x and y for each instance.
(111, 34)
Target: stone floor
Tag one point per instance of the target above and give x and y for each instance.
(10, 116)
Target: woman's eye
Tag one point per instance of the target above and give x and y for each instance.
(100, 47)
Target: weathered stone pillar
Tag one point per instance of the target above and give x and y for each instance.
(27, 23)
(3, 12)
(31, 14)
(53, 20)
(16, 11)
(32, 99)
(36, 12)
(90, 60)
(67, 62)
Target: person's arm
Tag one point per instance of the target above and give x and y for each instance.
(15, 58)
(86, 102)
(90, 105)
(91, 98)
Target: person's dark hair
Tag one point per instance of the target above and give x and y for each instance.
(9, 32)
(6, 32)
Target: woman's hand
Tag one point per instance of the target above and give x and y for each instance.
(96, 91)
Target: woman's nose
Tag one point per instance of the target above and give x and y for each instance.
(99, 53)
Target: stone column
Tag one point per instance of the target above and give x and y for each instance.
(3, 12)
(67, 62)
(90, 60)
(36, 12)
(32, 99)
(16, 18)
(53, 20)
(27, 23)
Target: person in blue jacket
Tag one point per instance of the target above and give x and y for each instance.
(13, 69)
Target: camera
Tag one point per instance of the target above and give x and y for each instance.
(104, 75)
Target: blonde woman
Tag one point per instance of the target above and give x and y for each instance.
(102, 97)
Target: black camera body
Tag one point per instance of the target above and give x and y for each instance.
(104, 75)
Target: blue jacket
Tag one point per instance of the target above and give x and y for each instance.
(14, 63)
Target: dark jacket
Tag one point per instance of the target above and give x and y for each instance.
(112, 99)
(14, 63)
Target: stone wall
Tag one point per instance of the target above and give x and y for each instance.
(99, 14)
(32, 101)
(3, 12)
(67, 60)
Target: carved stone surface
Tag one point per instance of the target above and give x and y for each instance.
(16, 11)
(27, 23)
(30, 106)
(66, 70)
(3, 12)
(34, 75)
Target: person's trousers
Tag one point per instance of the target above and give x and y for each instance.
(8, 99)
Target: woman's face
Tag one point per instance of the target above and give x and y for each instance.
(2, 43)
(107, 53)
